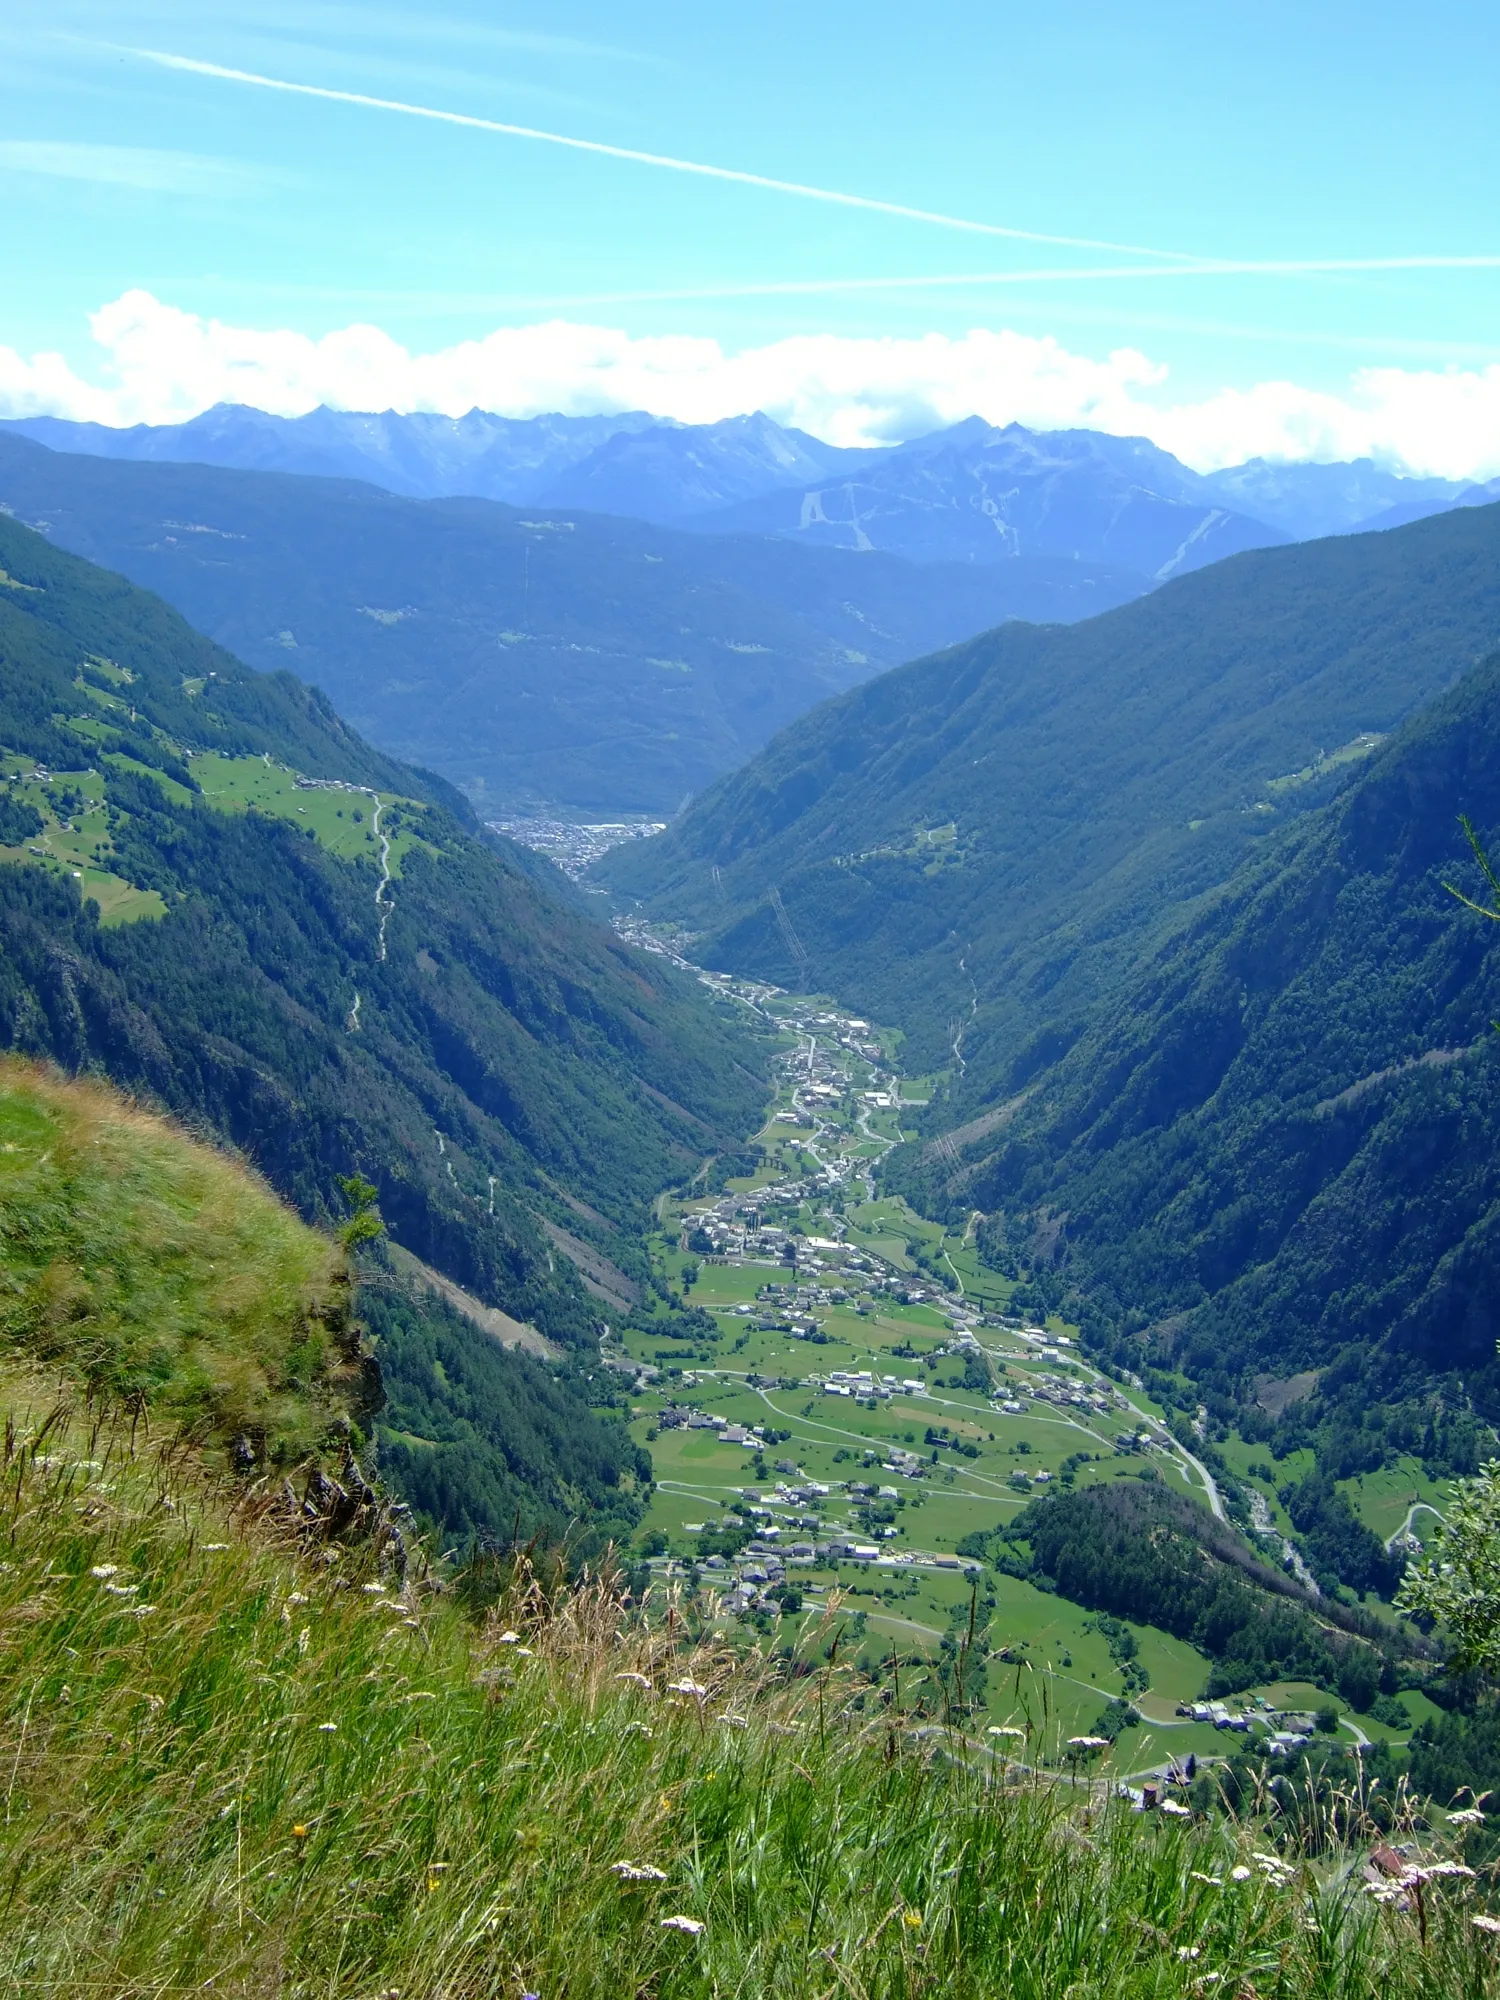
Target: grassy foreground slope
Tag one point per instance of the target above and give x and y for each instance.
(247, 1758)
(168, 1278)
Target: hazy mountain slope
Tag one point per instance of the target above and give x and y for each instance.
(674, 470)
(1485, 494)
(988, 837)
(983, 495)
(1282, 1136)
(489, 1056)
(1307, 501)
(600, 664)
(421, 455)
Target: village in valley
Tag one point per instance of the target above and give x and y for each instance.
(841, 1399)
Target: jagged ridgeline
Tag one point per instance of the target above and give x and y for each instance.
(235, 907)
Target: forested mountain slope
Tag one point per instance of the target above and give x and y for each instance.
(567, 659)
(1278, 1148)
(211, 931)
(988, 839)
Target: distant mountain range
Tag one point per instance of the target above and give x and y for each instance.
(543, 658)
(972, 493)
(1307, 501)
(980, 495)
(423, 456)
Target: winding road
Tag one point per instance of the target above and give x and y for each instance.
(1416, 1507)
(383, 904)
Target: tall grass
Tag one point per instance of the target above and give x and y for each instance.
(163, 1271)
(229, 1766)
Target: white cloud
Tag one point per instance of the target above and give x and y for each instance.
(162, 365)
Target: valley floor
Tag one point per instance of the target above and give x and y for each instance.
(867, 1398)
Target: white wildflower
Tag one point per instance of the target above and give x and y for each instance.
(1213, 1881)
(1491, 1924)
(687, 1686)
(689, 1924)
(632, 1871)
(327, 1728)
(1469, 1816)
(510, 1639)
(1175, 1810)
(1240, 1873)
(102, 1570)
(1190, 1951)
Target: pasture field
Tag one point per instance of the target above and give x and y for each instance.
(76, 843)
(342, 817)
(1383, 1499)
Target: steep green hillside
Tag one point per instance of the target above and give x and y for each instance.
(1278, 1148)
(165, 1275)
(334, 979)
(528, 655)
(987, 839)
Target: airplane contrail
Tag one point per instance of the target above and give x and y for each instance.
(1208, 267)
(194, 67)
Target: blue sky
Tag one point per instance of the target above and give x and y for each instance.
(248, 228)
